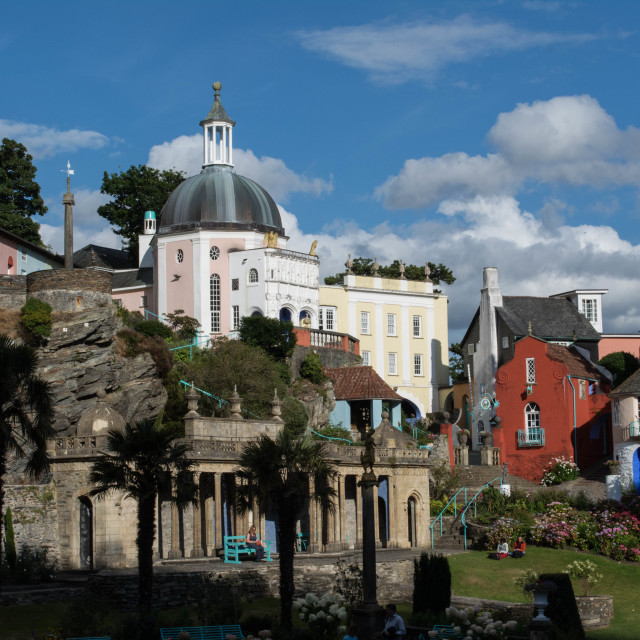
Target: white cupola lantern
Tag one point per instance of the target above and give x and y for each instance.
(218, 126)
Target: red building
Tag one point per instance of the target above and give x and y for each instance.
(550, 398)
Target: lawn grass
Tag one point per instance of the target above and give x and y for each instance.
(472, 574)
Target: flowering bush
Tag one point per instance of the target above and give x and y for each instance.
(324, 616)
(560, 470)
(584, 571)
(525, 577)
(473, 622)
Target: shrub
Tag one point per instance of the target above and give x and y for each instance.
(152, 328)
(295, 415)
(324, 616)
(621, 364)
(35, 319)
(34, 565)
(185, 327)
(334, 431)
(561, 470)
(219, 600)
(584, 572)
(349, 583)
(525, 577)
(134, 343)
(431, 583)
(311, 368)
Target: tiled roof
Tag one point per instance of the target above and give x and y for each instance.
(95, 256)
(360, 383)
(132, 278)
(630, 387)
(578, 366)
(551, 318)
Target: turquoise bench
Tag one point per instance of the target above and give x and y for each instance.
(446, 631)
(217, 632)
(236, 547)
(92, 638)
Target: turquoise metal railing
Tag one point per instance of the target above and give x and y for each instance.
(474, 502)
(221, 401)
(455, 510)
(350, 442)
(634, 429)
(531, 437)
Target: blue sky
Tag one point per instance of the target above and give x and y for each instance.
(477, 133)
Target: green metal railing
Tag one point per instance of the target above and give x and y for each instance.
(453, 500)
(474, 502)
(315, 433)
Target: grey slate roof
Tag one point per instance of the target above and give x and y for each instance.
(217, 111)
(551, 318)
(95, 256)
(33, 247)
(132, 278)
(630, 387)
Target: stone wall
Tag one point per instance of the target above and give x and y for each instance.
(71, 290)
(35, 517)
(13, 291)
(173, 589)
(330, 358)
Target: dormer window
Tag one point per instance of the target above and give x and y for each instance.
(590, 309)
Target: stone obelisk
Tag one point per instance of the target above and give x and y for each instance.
(68, 202)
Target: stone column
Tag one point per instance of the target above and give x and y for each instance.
(315, 522)
(219, 539)
(197, 551)
(342, 512)
(376, 515)
(358, 542)
(175, 552)
(209, 534)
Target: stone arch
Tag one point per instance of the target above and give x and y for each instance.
(286, 314)
(85, 533)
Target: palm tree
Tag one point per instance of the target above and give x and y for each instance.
(26, 412)
(275, 473)
(136, 461)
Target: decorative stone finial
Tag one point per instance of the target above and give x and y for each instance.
(349, 265)
(192, 402)
(427, 272)
(236, 404)
(376, 268)
(497, 422)
(276, 407)
(217, 86)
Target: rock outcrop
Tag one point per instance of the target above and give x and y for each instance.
(80, 361)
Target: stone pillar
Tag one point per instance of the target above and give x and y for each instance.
(342, 512)
(197, 551)
(315, 521)
(209, 534)
(376, 516)
(219, 539)
(358, 542)
(175, 552)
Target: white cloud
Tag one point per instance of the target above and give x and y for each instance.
(42, 141)
(185, 154)
(568, 140)
(88, 226)
(395, 53)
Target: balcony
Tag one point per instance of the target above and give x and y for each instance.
(327, 339)
(631, 431)
(531, 437)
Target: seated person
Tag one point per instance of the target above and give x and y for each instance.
(503, 549)
(519, 548)
(253, 542)
(393, 623)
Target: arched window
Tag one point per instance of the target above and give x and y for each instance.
(532, 423)
(253, 276)
(214, 302)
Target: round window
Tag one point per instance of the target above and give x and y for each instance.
(179, 255)
(214, 252)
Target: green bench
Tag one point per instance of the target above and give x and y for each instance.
(217, 632)
(236, 546)
(446, 631)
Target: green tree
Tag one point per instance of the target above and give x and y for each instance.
(19, 192)
(456, 363)
(364, 267)
(136, 462)
(275, 473)
(134, 191)
(232, 363)
(26, 412)
(274, 336)
(621, 364)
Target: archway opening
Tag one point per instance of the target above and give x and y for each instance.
(86, 533)
(412, 510)
(285, 314)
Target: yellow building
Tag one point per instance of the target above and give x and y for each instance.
(403, 333)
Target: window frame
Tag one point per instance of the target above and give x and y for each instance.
(366, 358)
(365, 323)
(215, 303)
(530, 370)
(392, 327)
(253, 277)
(417, 326)
(418, 365)
(392, 359)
